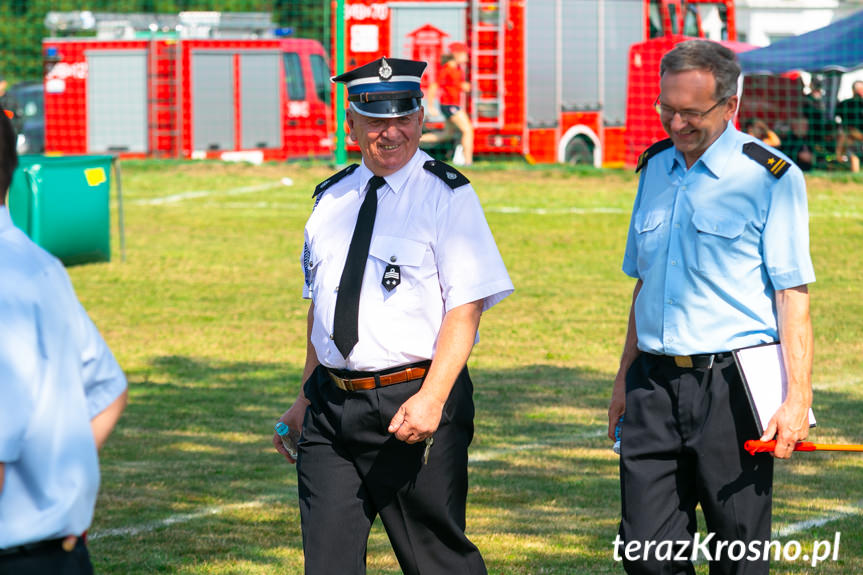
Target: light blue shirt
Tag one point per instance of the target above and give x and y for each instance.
(712, 244)
(56, 373)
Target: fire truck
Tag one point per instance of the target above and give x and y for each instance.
(552, 80)
(191, 85)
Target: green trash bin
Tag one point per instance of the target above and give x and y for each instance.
(62, 204)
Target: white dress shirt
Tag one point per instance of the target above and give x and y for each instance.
(439, 238)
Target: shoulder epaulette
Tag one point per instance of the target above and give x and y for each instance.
(774, 164)
(652, 151)
(451, 177)
(334, 178)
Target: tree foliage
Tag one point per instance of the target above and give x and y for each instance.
(22, 23)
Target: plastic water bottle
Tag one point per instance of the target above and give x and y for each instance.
(289, 438)
(616, 447)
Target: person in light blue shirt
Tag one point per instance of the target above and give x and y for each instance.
(62, 392)
(719, 245)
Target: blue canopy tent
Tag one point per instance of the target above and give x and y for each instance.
(837, 48)
(830, 51)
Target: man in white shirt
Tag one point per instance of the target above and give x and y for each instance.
(62, 392)
(399, 264)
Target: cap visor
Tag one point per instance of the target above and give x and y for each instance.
(387, 108)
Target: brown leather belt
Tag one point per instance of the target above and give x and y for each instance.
(371, 381)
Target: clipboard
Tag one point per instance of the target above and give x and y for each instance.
(763, 373)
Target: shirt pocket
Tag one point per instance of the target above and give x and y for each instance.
(649, 233)
(409, 255)
(716, 241)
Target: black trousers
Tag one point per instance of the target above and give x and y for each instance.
(350, 469)
(48, 561)
(681, 445)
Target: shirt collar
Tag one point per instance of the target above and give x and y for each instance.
(395, 181)
(716, 157)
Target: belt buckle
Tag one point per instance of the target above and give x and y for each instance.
(682, 361)
(341, 382)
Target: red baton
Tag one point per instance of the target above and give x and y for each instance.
(754, 446)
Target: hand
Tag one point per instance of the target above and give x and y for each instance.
(434, 111)
(617, 405)
(417, 418)
(293, 418)
(788, 425)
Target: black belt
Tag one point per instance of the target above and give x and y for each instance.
(35, 548)
(699, 361)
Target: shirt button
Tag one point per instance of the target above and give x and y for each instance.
(337, 289)
(670, 301)
(676, 226)
(331, 336)
(393, 259)
(670, 339)
(674, 262)
(682, 188)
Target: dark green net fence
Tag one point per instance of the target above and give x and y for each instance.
(550, 80)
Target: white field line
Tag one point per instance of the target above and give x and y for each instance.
(553, 211)
(800, 526)
(174, 519)
(479, 456)
(177, 198)
(514, 210)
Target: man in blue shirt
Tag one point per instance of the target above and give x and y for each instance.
(719, 245)
(62, 392)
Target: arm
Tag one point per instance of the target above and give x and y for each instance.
(630, 352)
(790, 423)
(293, 417)
(419, 417)
(103, 422)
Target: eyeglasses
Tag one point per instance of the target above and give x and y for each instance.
(688, 116)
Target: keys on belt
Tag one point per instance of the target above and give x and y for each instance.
(371, 381)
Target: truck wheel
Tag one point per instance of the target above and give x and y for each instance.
(579, 151)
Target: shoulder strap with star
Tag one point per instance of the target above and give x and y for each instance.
(333, 179)
(654, 149)
(774, 164)
(450, 176)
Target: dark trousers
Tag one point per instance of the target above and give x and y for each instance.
(350, 469)
(49, 560)
(682, 444)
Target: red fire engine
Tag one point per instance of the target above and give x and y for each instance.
(552, 80)
(199, 85)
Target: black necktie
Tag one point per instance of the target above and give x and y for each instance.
(346, 321)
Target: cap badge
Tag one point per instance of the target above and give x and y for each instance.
(385, 72)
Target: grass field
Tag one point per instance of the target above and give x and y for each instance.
(207, 320)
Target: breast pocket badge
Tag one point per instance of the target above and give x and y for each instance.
(392, 278)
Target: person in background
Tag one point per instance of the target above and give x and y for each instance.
(718, 245)
(850, 115)
(760, 130)
(62, 392)
(815, 111)
(399, 265)
(9, 105)
(447, 91)
(799, 145)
